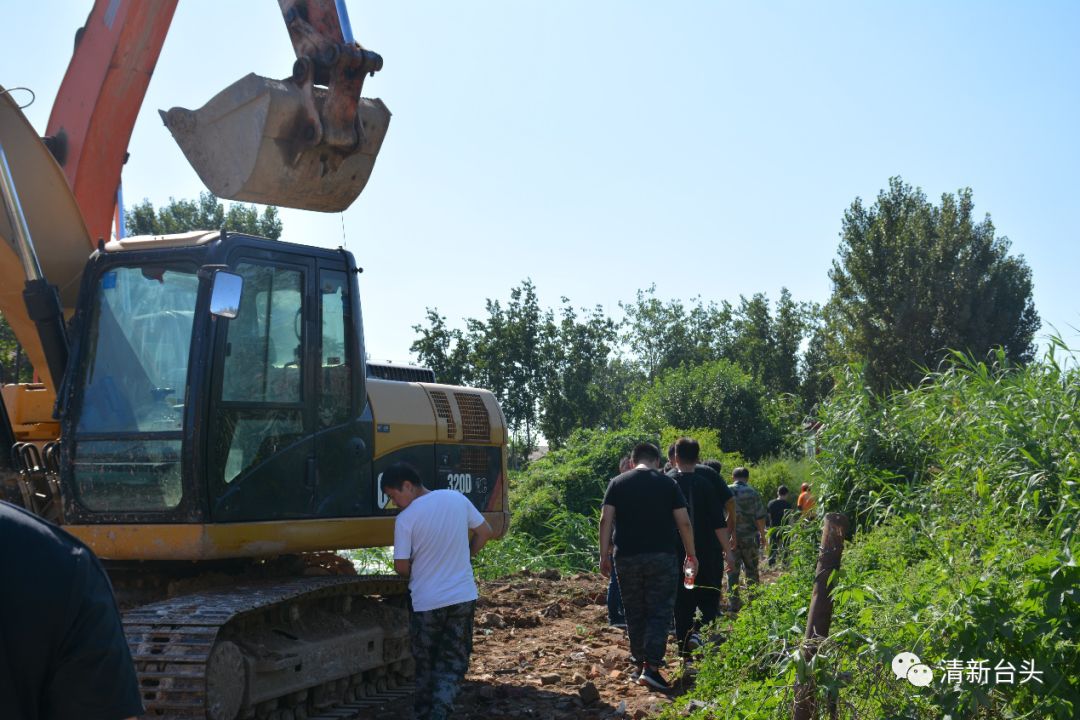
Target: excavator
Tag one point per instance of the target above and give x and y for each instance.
(204, 416)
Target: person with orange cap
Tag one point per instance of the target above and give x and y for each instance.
(806, 501)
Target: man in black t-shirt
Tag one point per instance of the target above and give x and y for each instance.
(62, 649)
(778, 510)
(711, 470)
(642, 509)
(710, 538)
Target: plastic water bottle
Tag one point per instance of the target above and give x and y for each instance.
(688, 577)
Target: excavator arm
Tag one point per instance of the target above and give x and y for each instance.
(99, 99)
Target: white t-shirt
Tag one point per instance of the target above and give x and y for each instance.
(433, 531)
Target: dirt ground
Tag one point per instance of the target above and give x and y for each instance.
(543, 649)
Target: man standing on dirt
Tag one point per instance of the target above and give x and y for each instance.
(749, 533)
(432, 548)
(707, 516)
(642, 509)
(62, 648)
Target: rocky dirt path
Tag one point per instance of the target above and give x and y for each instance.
(543, 649)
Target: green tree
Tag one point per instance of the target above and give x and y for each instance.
(790, 325)
(913, 279)
(662, 336)
(717, 395)
(444, 350)
(577, 359)
(506, 353)
(206, 213)
(766, 342)
(550, 377)
(619, 384)
(819, 361)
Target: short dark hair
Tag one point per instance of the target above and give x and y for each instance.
(740, 472)
(687, 449)
(671, 451)
(394, 477)
(782, 490)
(715, 465)
(644, 452)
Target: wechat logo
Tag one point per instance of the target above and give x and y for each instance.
(908, 666)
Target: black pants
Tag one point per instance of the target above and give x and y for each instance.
(687, 603)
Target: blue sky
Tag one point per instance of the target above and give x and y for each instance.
(599, 147)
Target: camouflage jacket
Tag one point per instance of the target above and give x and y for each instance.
(748, 509)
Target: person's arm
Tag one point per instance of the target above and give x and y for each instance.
(607, 526)
(686, 532)
(730, 508)
(402, 546)
(481, 534)
(92, 671)
(761, 531)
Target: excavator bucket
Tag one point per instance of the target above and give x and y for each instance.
(253, 142)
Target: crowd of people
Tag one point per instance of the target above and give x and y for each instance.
(670, 534)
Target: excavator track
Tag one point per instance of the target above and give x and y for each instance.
(292, 650)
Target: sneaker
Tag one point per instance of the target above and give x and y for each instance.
(694, 642)
(651, 676)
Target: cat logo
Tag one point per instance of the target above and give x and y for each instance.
(382, 500)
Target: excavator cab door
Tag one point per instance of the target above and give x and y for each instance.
(289, 435)
(261, 454)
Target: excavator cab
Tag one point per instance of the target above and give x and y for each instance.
(207, 371)
(218, 404)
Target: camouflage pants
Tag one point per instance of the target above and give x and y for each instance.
(747, 555)
(441, 645)
(647, 583)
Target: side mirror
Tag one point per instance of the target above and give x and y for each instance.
(225, 294)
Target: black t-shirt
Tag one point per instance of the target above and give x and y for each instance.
(777, 508)
(708, 512)
(707, 515)
(723, 492)
(62, 648)
(643, 500)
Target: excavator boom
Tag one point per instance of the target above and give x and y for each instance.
(99, 99)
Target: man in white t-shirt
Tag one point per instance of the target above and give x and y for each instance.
(432, 548)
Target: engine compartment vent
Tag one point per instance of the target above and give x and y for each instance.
(475, 422)
(442, 409)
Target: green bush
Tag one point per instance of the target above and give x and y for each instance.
(964, 493)
(718, 395)
(771, 474)
(573, 478)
